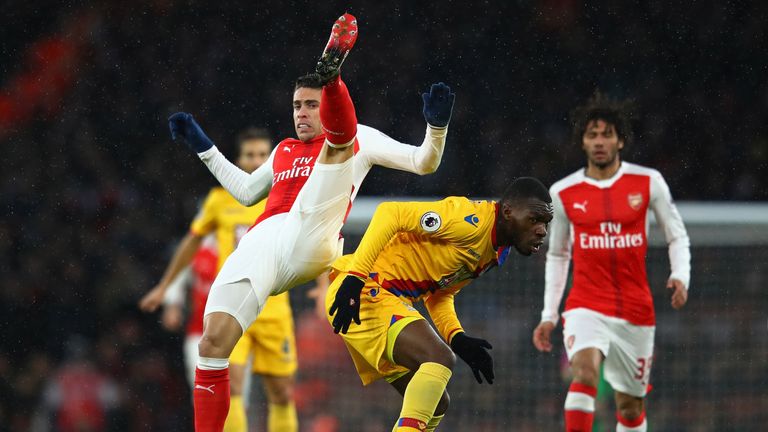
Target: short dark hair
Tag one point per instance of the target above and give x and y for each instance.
(252, 133)
(523, 188)
(310, 80)
(600, 107)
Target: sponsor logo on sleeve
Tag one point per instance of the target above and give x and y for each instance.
(472, 220)
(430, 222)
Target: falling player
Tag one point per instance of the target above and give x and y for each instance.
(601, 219)
(427, 251)
(270, 339)
(310, 182)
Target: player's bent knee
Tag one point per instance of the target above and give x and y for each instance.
(445, 357)
(279, 390)
(219, 336)
(585, 374)
(283, 396)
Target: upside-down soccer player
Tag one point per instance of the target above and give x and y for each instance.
(311, 182)
(601, 220)
(270, 339)
(428, 251)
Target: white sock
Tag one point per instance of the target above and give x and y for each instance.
(208, 363)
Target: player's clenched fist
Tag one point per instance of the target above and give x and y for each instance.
(184, 127)
(474, 352)
(346, 304)
(438, 105)
(542, 336)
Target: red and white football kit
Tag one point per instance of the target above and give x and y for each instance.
(297, 236)
(603, 226)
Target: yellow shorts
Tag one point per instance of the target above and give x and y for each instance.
(270, 339)
(383, 316)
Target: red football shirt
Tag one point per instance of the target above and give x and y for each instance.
(603, 226)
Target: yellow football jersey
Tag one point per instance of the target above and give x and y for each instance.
(222, 213)
(428, 251)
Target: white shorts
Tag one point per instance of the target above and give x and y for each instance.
(286, 249)
(628, 348)
(190, 356)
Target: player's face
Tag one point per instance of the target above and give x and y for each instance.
(601, 144)
(253, 154)
(306, 112)
(527, 222)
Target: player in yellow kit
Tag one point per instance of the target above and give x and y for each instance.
(427, 251)
(270, 339)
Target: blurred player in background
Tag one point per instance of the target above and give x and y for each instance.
(601, 220)
(189, 290)
(310, 182)
(428, 251)
(213, 236)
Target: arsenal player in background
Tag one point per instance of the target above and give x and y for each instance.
(601, 221)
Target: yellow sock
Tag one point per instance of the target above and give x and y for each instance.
(422, 396)
(236, 418)
(432, 425)
(282, 418)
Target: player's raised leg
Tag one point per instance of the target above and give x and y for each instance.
(425, 401)
(580, 401)
(322, 204)
(337, 112)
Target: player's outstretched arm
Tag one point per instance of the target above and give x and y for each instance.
(248, 189)
(390, 218)
(379, 149)
(438, 105)
(181, 259)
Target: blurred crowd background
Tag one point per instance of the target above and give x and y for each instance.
(95, 195)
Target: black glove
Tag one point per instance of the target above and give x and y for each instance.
(184, 127)
(347, 303)
(438, 105)
(473, 352)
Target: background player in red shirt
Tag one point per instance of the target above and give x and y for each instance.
(601, 221)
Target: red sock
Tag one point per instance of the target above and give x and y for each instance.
(211, 399)
(580, 407)
(637, 424)
(337, 113)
